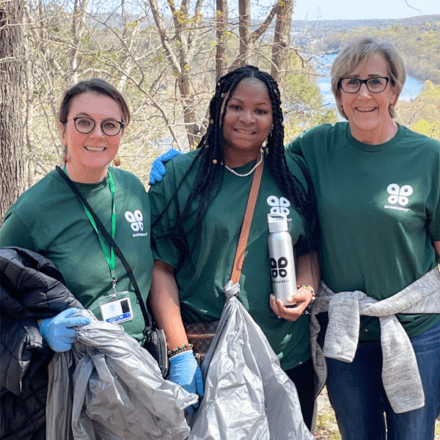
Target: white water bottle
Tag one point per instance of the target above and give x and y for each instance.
(282, 264)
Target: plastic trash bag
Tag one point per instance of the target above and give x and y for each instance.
(108, 387)
(247, 394)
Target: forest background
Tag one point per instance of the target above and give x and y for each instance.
(165, 56)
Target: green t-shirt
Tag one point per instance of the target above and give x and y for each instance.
(379, 211)
(49, 219)
(203, 259)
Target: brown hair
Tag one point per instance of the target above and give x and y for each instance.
(93, 85)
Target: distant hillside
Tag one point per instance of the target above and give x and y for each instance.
(416, 38)
(334, 26)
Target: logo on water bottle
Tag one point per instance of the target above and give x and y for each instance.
(279, 267)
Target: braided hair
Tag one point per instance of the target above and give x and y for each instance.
(210, 157)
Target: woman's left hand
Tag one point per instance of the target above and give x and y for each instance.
(300, 300)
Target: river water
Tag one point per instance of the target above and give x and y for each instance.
(410, 90)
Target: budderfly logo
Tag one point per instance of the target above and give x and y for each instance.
(136, 220)
(278, 268)
(278, 205)
(398, 196)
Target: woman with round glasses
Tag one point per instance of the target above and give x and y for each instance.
(377, 186)
(50, 219)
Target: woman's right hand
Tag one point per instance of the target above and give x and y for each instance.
(58, 331)
(158, 169)
(185, 371)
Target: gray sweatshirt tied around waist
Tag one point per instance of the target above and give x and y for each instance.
(400, 373)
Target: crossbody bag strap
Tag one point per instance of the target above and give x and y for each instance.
(246, 227)
(145, 312)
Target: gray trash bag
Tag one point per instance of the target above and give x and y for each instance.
(108, 387)
(247, 394)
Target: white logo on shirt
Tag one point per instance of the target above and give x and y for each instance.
(398, 196)
(136, 221)
(278, 205)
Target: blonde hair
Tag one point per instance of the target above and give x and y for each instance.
(362, 50)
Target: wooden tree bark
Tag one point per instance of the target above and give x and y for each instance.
(79, 13)
(254, 36)
(281, 40)
(12, 163)
(180, 60)
(221, 29)
(244, 9)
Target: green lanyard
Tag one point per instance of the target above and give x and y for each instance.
(109, 256)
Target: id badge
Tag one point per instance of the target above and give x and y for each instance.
(116, 308)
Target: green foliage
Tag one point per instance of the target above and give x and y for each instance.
(422, 126)
(419, 45)
(422, 114)
(303, 106)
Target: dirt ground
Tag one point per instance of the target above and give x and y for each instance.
(326, 426)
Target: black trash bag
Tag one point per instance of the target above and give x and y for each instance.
(247, 394)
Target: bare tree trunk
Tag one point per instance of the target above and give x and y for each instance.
(12, 163)
(254, 36)
(181, 59)
(244, 9)
(79, 11)
(281, 41)
(222, 27)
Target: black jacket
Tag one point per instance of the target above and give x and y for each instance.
(31, 288)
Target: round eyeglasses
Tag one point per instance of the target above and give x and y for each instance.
(376, 84)
(109, 127)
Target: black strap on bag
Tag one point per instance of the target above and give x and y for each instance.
(155, 338)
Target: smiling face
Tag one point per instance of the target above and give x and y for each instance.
(247, 122)
(369, 113)
(88, 155)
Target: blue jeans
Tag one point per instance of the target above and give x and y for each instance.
(357, 395)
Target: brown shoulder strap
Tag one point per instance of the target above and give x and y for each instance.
(246, 227)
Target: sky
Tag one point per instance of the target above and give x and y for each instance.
(364, 9)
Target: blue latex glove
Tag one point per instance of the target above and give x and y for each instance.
(158, 169)
(185, 371)
(58, 331)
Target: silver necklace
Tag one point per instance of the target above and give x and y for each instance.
(249, 172)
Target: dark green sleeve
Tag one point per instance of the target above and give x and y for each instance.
(164, 212)
(14, 233)
(299, 169)
(294, 147)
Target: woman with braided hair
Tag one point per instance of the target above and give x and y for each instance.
(197, 213)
